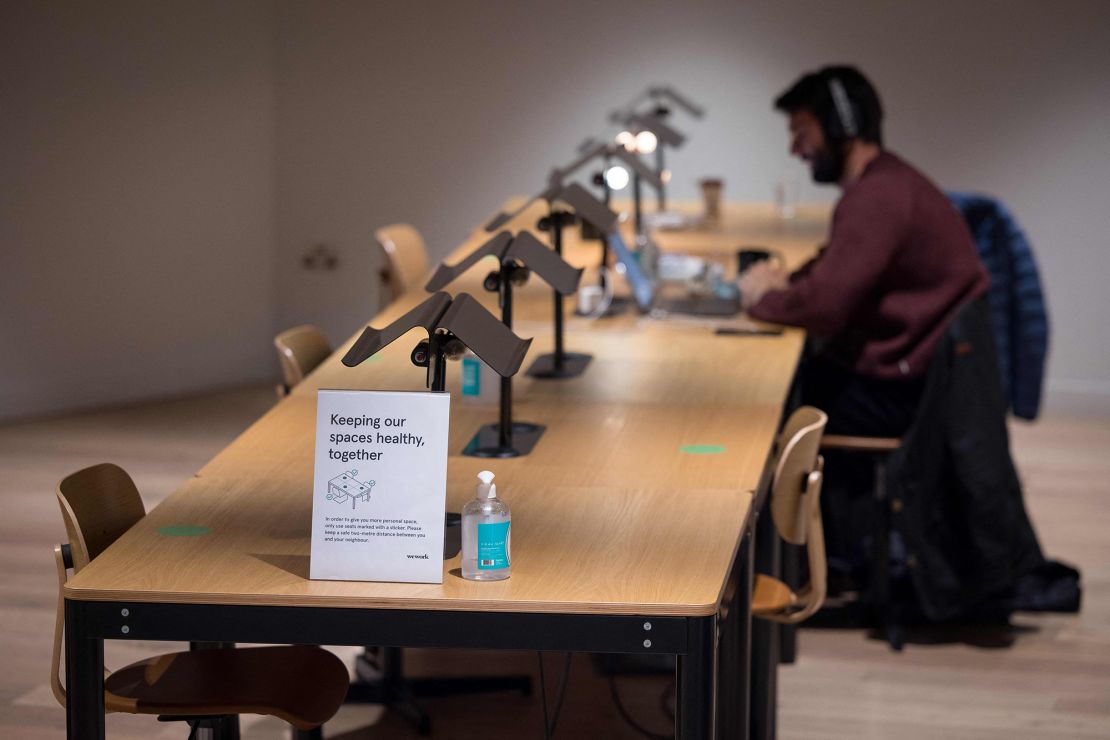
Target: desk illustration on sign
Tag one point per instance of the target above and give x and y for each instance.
(345, 487)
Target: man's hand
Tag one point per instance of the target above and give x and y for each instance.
(758, 279)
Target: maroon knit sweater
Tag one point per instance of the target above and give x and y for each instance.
(899, 263)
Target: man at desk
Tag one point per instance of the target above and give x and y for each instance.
(898, 263)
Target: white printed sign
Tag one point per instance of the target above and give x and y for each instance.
(380, 486)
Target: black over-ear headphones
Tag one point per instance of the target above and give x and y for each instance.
(843, 124)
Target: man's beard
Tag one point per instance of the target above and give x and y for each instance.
(827, 166)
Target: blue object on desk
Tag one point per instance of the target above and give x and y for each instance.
(724, 302)
(643, 291)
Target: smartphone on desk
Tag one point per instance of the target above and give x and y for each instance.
(747, 331)
(745, 328)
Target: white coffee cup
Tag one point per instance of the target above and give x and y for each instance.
(589, 298)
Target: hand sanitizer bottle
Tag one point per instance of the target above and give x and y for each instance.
(485, 534)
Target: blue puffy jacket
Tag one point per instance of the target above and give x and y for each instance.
(1016, 298)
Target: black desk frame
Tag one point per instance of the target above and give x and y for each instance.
(726, 681)
(713, 651)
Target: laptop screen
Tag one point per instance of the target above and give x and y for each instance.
(642, 289)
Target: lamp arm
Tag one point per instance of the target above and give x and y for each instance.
(560, 173)
(494, 246)
(427, 315)
(665, 133)
(651, 176)
(552, 268)
(555, 187)
(492, 341)
(668, 92)
(618, 115)
(588, 207)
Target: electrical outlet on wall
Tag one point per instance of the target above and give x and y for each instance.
(320, 257)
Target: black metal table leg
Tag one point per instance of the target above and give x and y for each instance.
(790, 567)
(765, 637)
(729, 659)
(695, 703)
(84, 679)
(735, 669)
(890, 625)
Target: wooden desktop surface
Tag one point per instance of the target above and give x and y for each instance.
(624, 507)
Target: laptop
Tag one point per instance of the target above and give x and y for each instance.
(647, 298)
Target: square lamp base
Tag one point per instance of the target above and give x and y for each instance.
(573, 365)
(486, 442)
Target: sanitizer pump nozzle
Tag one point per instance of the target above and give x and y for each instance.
(486, 488)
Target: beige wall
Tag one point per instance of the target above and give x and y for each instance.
(173, 162)
(136, 197)
(391, 112)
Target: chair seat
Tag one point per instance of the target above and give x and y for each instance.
(302, 685)
(770, 596)
(860, 444)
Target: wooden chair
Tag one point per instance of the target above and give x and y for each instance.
(406, 258)
(300, 350)
(301, 685)
(796, 511)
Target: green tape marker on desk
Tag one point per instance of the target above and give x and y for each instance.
(183, 530)
(702, 449)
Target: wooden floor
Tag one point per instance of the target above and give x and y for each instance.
(1048, 677)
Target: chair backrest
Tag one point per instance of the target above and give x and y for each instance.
(798, 453)
(300, 350)
(796, 503)
(406, 257)
(98, 505)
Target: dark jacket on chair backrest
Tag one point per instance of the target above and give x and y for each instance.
(1017, 300)
(968, 537)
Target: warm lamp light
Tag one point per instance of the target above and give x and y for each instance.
(616, 177)
(646, 142)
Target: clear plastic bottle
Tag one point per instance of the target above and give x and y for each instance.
(486, 536)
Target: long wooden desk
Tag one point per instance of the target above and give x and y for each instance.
(624, 540)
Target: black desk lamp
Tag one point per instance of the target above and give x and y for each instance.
(645, 134)
(588, 209)
(451, 325)
(660, 96)
(589, 151)
(640, 173)
(555, 188)
(518, 256)
(584, 206)
(653, 122)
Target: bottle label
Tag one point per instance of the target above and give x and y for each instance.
(493, 546)
(471, 376)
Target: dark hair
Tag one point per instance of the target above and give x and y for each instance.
(813, 93)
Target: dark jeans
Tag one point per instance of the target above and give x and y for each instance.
(858, 406)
